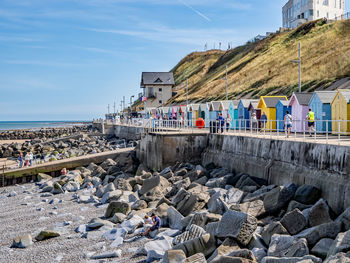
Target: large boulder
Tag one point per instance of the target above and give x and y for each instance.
(193, 232)
(156, 249)
(228, 246)
(322, 247)
(278, 197)
(117, 207)
(271, 229)
(196, 258)
(205, 244)
(340, 244)
(57, 189)
(287, 246)
(174, 218)
(184, 202)
(314, 234)
(294, 221)
(339, 258)
(319, 213)
(344, 218)
(149, 184)
(307, 194)
(304, 259)
(216, 203)
(233, 196)
(255, 208)
(174, 256)
(23, 241)
(238, 225)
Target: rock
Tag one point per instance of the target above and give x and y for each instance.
(46, 234)
(186, 205)
(139, 205)
(340, 244)
(43, 177)
(216, 203)
(205, 244)
(307, 194)
(169, 233)
(174, 256)
(271, 229)
(117, 218)
(216, 182)
(103, 255)
(131, 224)
(322, 247)
(255, 208)
(81, 229)
(294, 204)
(23, 241)
(287, 246)
(259, 253)
(57, 189)
(115, 233)
(156, 249)
(174, 218)
(319, 213)
(278, 197)
(12, 194)
(305, 259)
(196, 258)
(97, 223)
(294, 221)
(344, 218)
(339, 258)
(114, 195)
(122, 184)
(228, 246)
(149, 184)
(117, 207)
(314, 234)
(234, 196)
(193, 232)
(238, 225)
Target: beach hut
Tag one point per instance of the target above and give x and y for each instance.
(233, 111)
(267, 105)
(207, 115)
(281, 110)
(195, 111)
(174, 111)
(341, 111)
(243, 113)
(320, 104)
(225, 105)
(215, 108)
(253, 108)
(300, 108)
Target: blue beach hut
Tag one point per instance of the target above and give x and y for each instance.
(282, 107)
(243, 112)
(214, 109)
(233, 111)
(320, 104)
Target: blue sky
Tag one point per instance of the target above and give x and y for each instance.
(68, 59)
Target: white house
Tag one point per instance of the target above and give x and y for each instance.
(157, 88)
(297, 12)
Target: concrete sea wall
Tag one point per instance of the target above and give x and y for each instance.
(324, 166)
(127, 132)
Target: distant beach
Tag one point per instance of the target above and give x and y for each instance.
(35, 125)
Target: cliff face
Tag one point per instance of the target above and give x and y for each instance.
(265, 67)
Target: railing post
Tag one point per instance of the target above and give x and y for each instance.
(3, 175)
(270, 129)
(327, 132)
(339, 132)
(304, 129)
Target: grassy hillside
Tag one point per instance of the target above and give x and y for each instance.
(264, 68)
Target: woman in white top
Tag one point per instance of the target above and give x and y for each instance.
(288, 120)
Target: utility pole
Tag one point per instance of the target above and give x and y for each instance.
(114, 108)
(226, 82)
(131, 100)
(298, 61)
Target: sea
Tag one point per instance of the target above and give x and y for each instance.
(36, 125)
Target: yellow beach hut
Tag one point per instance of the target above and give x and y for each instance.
(341, 111)
(267, 104)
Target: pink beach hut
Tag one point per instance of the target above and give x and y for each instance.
(300, 108)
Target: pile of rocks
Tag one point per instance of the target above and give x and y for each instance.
(43, 133)
(52, 150)
(208, 214)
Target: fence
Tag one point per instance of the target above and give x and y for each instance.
(342, 17)
(325, 131)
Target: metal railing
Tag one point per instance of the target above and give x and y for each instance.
(323, 131)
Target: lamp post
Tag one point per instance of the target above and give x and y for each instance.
(131, 99)
(298, 61)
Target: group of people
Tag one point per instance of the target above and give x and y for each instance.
(288, 122)
(26, 160)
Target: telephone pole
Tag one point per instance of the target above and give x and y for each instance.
(298, 61)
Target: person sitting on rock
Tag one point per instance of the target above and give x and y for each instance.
(156, 224)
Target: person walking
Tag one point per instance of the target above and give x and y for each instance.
(263, 120)
(20, 160)
(254, 122)
(311, 121)
(221, 122)
(287, 123)
(228, 122)
(26, 159)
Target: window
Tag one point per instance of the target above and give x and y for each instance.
(318, 13)
(327, 15)
(160, 102)
(325, 2)
(311, 12)
(160, 89)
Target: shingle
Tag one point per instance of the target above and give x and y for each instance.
(157, 78)
(326, 96)
(271, 102)
(304, 98)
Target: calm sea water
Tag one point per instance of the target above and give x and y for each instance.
(15, 125)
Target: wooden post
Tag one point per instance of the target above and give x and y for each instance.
(3, 175)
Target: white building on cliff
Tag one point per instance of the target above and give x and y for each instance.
(296, 12)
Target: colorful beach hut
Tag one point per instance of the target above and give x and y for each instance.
(233, 111)
(253, 108)
(215, 108)
(320, 104)
(243, 113)
(281, 110)
(341, 111)
(267, 105)
(300, 108)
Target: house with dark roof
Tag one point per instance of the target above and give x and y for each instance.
(300, 108)
(157, 88)
(267, 105)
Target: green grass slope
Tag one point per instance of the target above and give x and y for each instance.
(265, 67)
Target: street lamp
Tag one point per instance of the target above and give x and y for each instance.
(298, 61)
(131, 100)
